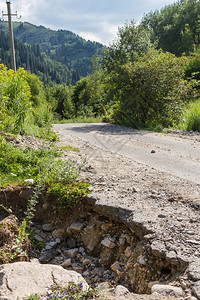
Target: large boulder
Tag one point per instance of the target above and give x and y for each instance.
(22, 279)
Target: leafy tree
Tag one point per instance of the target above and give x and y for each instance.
(176, 27)
(41, 112)
(89, 95)
(193, 68)
(152, 90)
(36, 87)
(60, 96)
(132, 42)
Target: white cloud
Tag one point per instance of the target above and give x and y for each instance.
(94, 20)
(90, 36)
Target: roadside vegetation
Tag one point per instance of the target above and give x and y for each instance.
(147, 78)
(71, 292)
(24, 110)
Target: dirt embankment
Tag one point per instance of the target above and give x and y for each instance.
(161, 210)
(165, 204)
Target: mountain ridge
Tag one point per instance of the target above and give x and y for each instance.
(63, 47)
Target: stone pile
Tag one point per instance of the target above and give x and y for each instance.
(102, 250)
(70, 255)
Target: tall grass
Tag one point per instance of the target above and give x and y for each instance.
(18, 164)
(98, 119)
(38, 124)
(191, 117)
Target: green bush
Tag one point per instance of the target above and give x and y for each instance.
(70, 194)
(192, 117)
(193, 68)
(40, 168)
(89, 95)
(60, 98)
(65, 184)
(23, 106)
(14, 99)
(152, 91)
(39, 117)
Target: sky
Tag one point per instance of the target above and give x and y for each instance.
(93, 20)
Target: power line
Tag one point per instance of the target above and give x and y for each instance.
(12, 46)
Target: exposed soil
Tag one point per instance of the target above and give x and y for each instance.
(164, 208)
(166, 205)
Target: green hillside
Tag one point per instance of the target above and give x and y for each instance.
(63, 47)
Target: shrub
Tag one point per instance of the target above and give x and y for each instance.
(192, 117)
(23, 107)
(14, 99)
(152, 90)
(69, 195)
(193, 68)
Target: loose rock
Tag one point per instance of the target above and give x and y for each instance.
(102, 286)
(116, 267)
(22, 279)
(47, 227)
(48, 255)
(167, 289)
(196, 289)
(66, 263)
(58, 233)
(121, 290)
(107, 243)
(71, 252)
(76, 227)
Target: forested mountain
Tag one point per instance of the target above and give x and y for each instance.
(59, 56)
(32, 59)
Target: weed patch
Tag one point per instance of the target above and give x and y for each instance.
(80, 119)
(72, 292)
(68, 148)
(17, 164)
(69, 195)
(191, 117)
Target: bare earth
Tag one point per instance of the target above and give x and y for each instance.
(156, 176)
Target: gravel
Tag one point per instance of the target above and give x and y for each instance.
(164, 203)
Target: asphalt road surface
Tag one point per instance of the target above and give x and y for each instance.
(173, 154)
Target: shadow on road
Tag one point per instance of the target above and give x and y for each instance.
(104, 128)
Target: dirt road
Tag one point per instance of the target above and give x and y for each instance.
(153, 178)
(175, 155)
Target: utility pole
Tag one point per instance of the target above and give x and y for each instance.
(12, 47)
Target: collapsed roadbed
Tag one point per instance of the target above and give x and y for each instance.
(105, 243)
(139, 228)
